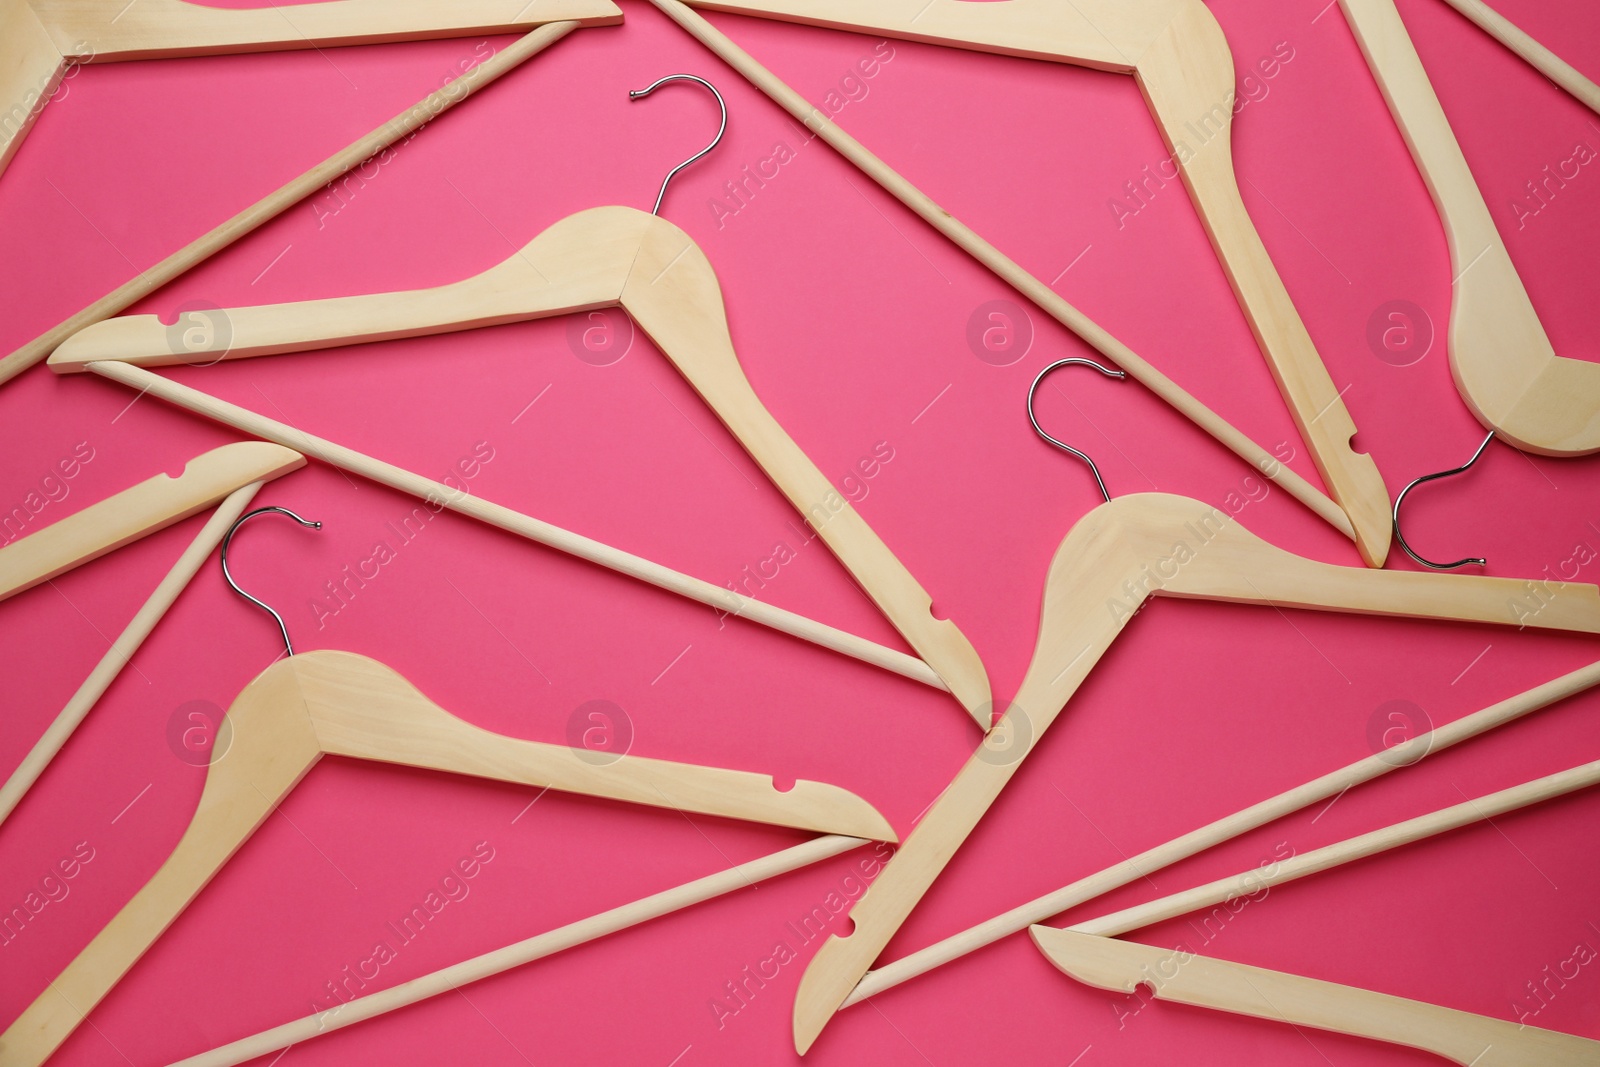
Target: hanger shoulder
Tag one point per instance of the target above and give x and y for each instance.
(1504, 365)
(272, 748)
(364, 709)
(145, 508)
(579, 264)
(31, 69)
(1108, 34)
(111, 30)
(1180, 976)
(673, 294)
(1186, 548)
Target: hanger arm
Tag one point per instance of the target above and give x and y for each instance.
(112, 30)
(1504, 365)
(361, 708)
(274, 753)
(151, 505)
(1187, 77)
(1212, 557)
(577, 265)
(1464, 1038)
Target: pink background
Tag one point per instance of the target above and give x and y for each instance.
(850, 317)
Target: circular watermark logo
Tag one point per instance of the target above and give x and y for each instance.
(1400, 333)
(999, 332)
(600, 338)
(202, 333)
(199, 733)
(599, 732)
(1009, 740)
(1400, 732)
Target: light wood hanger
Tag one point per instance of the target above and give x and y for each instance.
(330, 170)
(1090, 952)
(1115, 558)
(1459, 1036)
(152, 505)
(1531, 51)
(338, 703)
(602, 257)
(1505, 367)
(449, 979)
(123, 648)
(1225, 829)
(1178, 54)
(40, 39)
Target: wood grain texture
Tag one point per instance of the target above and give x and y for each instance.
(606, 256)
(437, 493)
(123, 648)
(153, 504)
(1225, 829)
(317, 703)
(284, 197)
(1185, 978)
(1178, 53)
(1115, 558)
(1504, 365)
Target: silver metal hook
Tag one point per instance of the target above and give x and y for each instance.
(1401, 499)
(1034, 388)
(636, 94)
(228, 576)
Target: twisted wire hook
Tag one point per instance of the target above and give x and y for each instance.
(1401, 499)
(228, 575)
(638, 94)
(1034, 388)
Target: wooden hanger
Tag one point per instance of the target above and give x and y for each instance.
(275, 203)
(1115, 558)
(338, 703)
(41, 39)
(1090, 952)
(603, 257)
(1459, 1036)
(1531, 51)
(538, 947)
(1222, 830)
(150, 506)
(1504, 365)
(1178, 54)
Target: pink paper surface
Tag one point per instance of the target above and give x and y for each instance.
(851, 318)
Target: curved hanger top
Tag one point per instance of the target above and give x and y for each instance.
(1504, 365)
